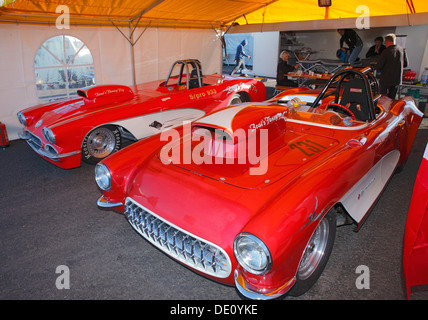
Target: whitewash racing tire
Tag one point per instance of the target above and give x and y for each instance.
(100, 143)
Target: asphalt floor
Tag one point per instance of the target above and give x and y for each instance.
(51, 227)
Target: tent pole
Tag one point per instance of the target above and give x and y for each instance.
(131, 42)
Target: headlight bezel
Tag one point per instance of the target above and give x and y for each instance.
(257, 245)
(101, 173)
(49, 135)
(21, 118)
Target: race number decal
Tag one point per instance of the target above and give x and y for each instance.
(204, 94)
(307, 147)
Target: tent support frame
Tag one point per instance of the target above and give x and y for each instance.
(132, 43)
(132, 29)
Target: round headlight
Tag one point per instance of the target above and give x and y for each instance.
(49, 136)
(102, 176)
(21, 119)
(252, 254)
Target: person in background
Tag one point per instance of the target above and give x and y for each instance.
(354, 43)
(391, 63)
(341, 54)
(282, 69)
(377, 49)
(239, 57)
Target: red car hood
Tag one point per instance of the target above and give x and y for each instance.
(298, 151)
(67, 110)
(215, 202)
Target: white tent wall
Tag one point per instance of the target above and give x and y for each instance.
(266, 53)
(111, 53)
(424, 63)
(157, 49)
(416, 42)
(154, 53)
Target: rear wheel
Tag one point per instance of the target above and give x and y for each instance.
(316, 255)
(100, 143)
(237, 99)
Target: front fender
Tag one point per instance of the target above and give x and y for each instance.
(285, 228)
(125, 164)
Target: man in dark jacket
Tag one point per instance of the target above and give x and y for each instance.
(391, 63)
(239, 57)
(377, 49)
(354, 43)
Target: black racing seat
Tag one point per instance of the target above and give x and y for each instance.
(194, 81)
(355, 98)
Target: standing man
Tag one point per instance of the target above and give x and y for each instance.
(391, 63)
(354, 42)
(239, 57)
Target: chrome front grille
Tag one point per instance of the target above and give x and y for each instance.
(33, 140)
(179, 244)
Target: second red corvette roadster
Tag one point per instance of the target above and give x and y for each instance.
(97, 123)
(251, 195)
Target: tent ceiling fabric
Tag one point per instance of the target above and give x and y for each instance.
(159, 13)
(305, 10)
(197, 13)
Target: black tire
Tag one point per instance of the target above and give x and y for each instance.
(313, 261)
(100, 143)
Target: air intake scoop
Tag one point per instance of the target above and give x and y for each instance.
(236, 126)
(110, 93)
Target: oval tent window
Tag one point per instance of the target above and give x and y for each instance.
(63, 64)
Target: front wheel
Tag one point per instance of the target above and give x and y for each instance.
(100, 143)
(316, 255)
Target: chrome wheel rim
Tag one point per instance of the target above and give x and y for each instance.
(235, 100)
(314, 251)
(101, 142)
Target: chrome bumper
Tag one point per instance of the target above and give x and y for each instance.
(103, 203)
(48, 151)
(240, 284)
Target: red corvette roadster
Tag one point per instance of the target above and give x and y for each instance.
(99, 121)
(251, 195)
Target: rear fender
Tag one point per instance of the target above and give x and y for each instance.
(361, 198)
(409, 127)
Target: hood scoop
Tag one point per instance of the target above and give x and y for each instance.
(230, 131)
(106, 93)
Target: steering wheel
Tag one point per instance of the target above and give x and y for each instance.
(336, 106)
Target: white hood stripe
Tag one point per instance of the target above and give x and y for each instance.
(222, 118)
